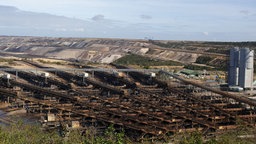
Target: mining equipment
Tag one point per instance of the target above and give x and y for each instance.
(145, 107)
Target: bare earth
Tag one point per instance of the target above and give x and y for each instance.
(95, 50)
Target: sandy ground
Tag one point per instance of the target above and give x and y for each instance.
(3, 105)
(9, 115)
(66, 54)
(17, 112)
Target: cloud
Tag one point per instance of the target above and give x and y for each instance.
(68, 29)
(245, 12)
(146, 17)
(98, 18)
(206, 33)
(79, 29)
(61, 29)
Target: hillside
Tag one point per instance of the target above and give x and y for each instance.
(95, 50)
(109, 50)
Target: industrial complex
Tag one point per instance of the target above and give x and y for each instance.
(138, 102)
(146, 103)
(241, 68)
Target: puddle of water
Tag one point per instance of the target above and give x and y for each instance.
(26, 118)
(2, 115)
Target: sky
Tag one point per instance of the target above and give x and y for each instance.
(213, 20)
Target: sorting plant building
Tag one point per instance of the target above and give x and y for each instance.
(241, 68)
(145, 103)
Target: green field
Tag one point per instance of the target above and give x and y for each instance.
(143, 61)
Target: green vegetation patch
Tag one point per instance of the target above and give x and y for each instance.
(204, 59)
(219, 64)
(133, 59)
(190, 72)
(172, 44)
(6, 60)
(20, 133)
(234, 44)
(196, 67)
(218, 50)
(9, 61)
(211, 47)
(51, 62)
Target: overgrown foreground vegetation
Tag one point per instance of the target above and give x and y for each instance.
(21, 133)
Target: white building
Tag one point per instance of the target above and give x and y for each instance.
(241, 68)
(246, 68)
(233, 67)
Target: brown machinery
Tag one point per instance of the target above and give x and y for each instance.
(153, 107)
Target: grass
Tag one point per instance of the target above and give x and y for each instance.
(20, 133)
(133, 59)
(212, 47)
(51, 62)
(9, 61)
(196, 67)
(204, 59)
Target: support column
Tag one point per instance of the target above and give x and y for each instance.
(92, 74)
(16, 75)
(41, 109)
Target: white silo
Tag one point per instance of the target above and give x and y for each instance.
(233, 67)
(246, 68)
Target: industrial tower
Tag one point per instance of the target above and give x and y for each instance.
(241, 68)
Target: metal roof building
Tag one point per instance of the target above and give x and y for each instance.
(241, 68)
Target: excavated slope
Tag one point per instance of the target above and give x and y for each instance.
(96, 50)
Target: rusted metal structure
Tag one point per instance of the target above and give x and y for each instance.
(146, 106)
